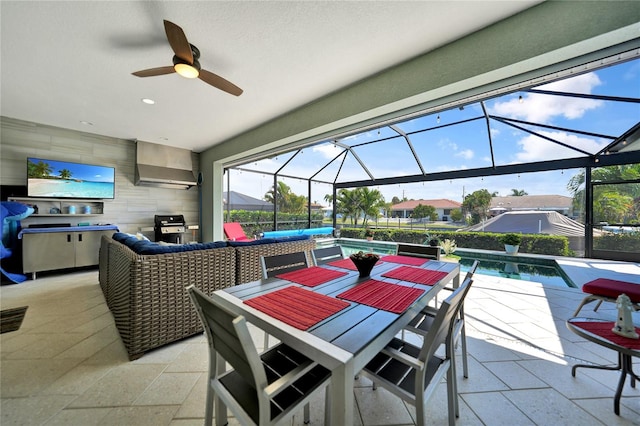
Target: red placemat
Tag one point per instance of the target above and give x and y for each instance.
(297, 307)
(415, 275)
(405, 260)
(347, 264)
(378, 294)
(312, 276)
(603, 329)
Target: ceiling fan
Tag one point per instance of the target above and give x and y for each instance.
(185, 62)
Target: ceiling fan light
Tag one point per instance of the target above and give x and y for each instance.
(186, 70)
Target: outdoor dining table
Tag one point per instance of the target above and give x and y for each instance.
(345, 341)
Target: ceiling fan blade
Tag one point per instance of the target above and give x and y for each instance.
(178, 41)
(154, 71)
(219, 82)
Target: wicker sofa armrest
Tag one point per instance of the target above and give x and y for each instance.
(147, 296)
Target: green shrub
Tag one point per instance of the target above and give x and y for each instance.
(511, 239)
(554, 245)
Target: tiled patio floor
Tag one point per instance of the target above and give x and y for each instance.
(67, 365)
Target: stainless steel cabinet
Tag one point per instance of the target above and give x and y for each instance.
(61, 249)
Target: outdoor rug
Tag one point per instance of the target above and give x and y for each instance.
(11, 319)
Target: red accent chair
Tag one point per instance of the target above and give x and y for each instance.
(234, 232)
(607, 290)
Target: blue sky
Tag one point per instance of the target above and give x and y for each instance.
(466, 146)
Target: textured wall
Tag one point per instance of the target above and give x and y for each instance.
(133, 207)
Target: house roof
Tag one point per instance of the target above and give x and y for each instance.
(238, 201)
(532, 202)
(441, 203)
(531, 222)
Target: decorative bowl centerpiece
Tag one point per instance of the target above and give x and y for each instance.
(364, 262)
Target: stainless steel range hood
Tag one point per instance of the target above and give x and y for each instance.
(163, 166)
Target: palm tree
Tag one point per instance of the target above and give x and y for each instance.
(348, 204)
(518, 192)
(38, 170)
(371, 201)
(285, 200)
(65, 174)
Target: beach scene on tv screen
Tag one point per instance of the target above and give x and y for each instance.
(49, 178)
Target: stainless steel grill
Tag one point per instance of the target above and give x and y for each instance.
(169, 228)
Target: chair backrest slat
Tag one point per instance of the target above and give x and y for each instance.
(281, 263)
(327, 254)
(416, 250)
(472, 270)
(222, 327)
(443, 323)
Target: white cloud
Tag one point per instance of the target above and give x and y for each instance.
(328, 151)
(467, 154)
(543, 108)
(536, 149)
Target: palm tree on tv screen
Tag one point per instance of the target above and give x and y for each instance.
(38, 170)
(65, 174)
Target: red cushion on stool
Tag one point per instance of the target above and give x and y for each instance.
(612, 289)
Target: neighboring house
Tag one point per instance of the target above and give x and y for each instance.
(318, 208)
(556, 203)
(443, 208)
(238, 201)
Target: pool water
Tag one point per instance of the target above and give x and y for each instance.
(496, 266)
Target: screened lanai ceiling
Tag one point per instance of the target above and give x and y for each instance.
(585, 115)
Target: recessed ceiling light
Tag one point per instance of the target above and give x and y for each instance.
(148, 101)
(86, 123)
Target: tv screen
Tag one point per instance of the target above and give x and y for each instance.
(61, 179)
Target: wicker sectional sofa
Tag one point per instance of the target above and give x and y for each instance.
(145, 289)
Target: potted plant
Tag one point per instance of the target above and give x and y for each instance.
(368, 234)
(449, 247)
(432, 241)
(511, 242)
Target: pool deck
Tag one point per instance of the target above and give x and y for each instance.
(67, 365)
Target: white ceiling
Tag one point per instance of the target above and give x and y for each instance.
(67, 62)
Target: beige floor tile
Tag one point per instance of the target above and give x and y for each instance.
(79, 416)
(15, 341)
(91, 345)
(194, 358)
(77, 380)
(379, 407)
(186, 422)
(34, 410)
(112, 354)
(121, 386)
(168, 389)
(48, 346)
(514, 376)
(602, 408)
(28, 377)
(194, 404)
(485, 406)
(162, 355)
(549, 407)
(559, 377)
(139, 416)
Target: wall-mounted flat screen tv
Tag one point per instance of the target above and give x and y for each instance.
(62, 179)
